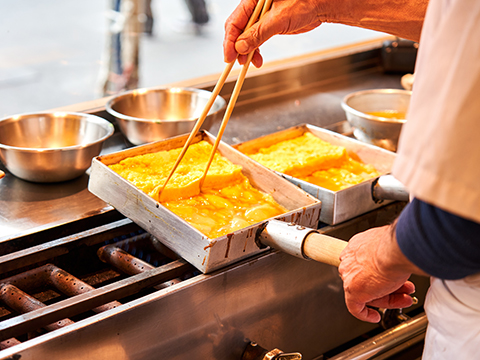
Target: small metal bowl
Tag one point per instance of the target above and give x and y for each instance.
(371, 129)
(147, 115)
(51, 147)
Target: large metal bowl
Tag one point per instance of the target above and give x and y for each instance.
(147, 115)
(51, 147)
(380, 131)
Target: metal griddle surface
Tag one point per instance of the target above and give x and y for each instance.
(271, 100)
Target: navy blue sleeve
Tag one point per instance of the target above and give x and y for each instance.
(441, 244)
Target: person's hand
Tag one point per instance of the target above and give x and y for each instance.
(400, 18)
(284, 17)
(375, 273)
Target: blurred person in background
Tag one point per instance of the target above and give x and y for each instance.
(127, 21)
(198, 14)
(438, 232)
(119, 70)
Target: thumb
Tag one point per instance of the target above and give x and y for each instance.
(257, 34)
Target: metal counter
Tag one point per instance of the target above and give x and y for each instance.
(272, 298)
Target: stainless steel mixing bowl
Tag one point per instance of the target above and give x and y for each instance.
(51, 147)
(380, 131)
(147, 115)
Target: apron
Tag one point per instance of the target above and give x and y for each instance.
(438, 160)
(453, 312)
(438, 156)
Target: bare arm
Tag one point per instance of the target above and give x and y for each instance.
(396, 17)
(400, 18)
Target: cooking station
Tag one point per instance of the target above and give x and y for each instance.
(81, 281)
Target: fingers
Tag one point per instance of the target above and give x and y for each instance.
(393, 301)
(257, 34)
(240, 42)
(229, 51)
(257, 59)
(396, 300)
(362, 312)
(284, 17)
(234, 26)
(407, 288)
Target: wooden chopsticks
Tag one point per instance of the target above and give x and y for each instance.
(233, 99)
(260, 9)
(228, 113)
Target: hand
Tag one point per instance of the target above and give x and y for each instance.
(284, 17)
(375, 273)
(401, 18)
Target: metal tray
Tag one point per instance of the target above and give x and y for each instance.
(342, 205)
(174, 232)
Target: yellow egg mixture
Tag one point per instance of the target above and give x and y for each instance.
(311, 159)
(389, 114)
(226, 203)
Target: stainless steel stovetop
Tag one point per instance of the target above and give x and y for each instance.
(95, 285)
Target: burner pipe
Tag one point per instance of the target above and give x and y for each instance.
(61, 280)
(71, 286)
(9, 343)
(21, 302)
(129, 264)
(113, 255)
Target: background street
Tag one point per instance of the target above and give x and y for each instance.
(51, 51)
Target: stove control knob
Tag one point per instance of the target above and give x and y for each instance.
(256, 352)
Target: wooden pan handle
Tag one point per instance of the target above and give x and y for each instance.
(323, 248)
(300, 241)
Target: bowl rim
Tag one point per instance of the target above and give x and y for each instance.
(105, 124)
(348, 108)
(111, 111)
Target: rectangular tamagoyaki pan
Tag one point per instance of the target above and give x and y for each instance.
(205, 254)
(341, 205)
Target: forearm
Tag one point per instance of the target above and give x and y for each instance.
(397, 17)
(390, 259)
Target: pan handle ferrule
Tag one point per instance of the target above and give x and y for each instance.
(387, 187)
(287, 237)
